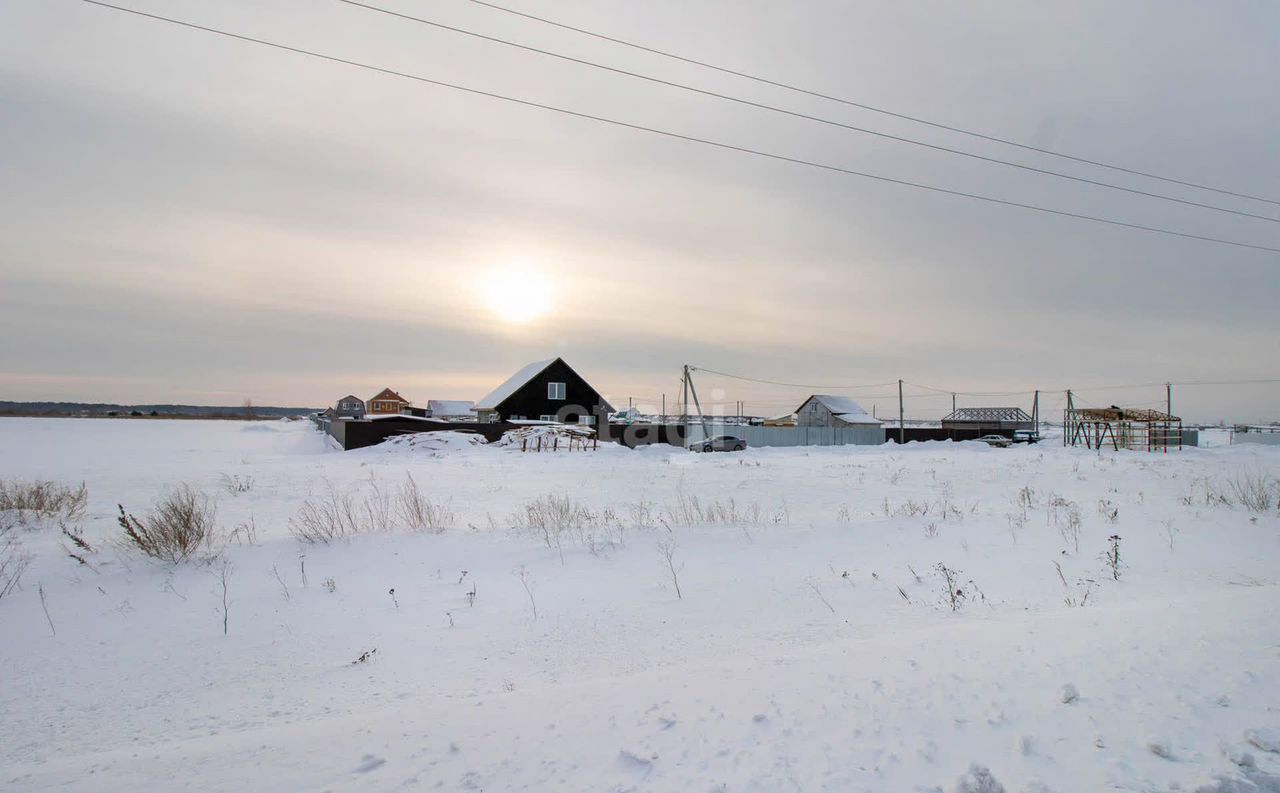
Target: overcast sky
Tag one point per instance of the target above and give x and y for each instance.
(194, 219)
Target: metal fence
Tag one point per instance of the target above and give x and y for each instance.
(1269, 436)
(791, 436)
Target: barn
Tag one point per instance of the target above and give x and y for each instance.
(545, 391)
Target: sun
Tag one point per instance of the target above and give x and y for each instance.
(517, 295)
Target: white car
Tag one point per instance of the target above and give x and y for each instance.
(998, 441)
(720, 443)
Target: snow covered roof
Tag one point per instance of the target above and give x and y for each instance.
(451, 407)
(390, 416)
(843, 408)
(497, 396)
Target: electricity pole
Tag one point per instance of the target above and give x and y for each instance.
(684, 395)
(1067, 417)
(1168, 398)
(902, 424)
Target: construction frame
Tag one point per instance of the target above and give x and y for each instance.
(1137, 429)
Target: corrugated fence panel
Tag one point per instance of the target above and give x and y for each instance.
(792, 436)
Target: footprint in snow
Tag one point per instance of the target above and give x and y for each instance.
(369, 762)
(1264, 739)
(634, 763)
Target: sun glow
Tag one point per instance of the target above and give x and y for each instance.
(518, 295)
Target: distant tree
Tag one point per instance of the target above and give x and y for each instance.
(247, 406)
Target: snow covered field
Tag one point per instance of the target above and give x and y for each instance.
(813, 645)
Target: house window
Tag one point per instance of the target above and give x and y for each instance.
(546, 417)
(586, 419)
(555, 390)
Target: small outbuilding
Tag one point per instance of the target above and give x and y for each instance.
(826, 410)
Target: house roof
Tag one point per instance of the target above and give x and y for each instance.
(387, 393)
(988, 414)
(493, 399)
(351, 396)
(843, 408)
(502, 393)
(451, 407)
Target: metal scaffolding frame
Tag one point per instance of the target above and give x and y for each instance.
(1137, 429)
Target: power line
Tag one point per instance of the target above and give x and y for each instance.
(971, 393)
(1226, 382)
(872, 108)
(1090, 389)
(680, 136)
(789, 385)
(805, 116)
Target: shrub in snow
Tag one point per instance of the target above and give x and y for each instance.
(13, 560)
(418, 512)
(667, 547)
(1069, 694)
(42, 500)
(333, 516)
(1160, 748)
(1254, 490)
(978, 780)
(956, 594)
(236, 484)
(1109, 511)
(178, 527)
(1113, 556)
(560, 519)
(692, 511)
(1065, 516)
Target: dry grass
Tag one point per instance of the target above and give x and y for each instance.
(178, 528)
(336, 515)
(333, 516)
(418, 512)
(1254, 490)
(690, 510)
(13, 558)
(43, 499)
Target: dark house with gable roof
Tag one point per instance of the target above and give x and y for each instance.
(545, 391)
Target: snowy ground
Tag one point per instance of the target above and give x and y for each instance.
(790, 661)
